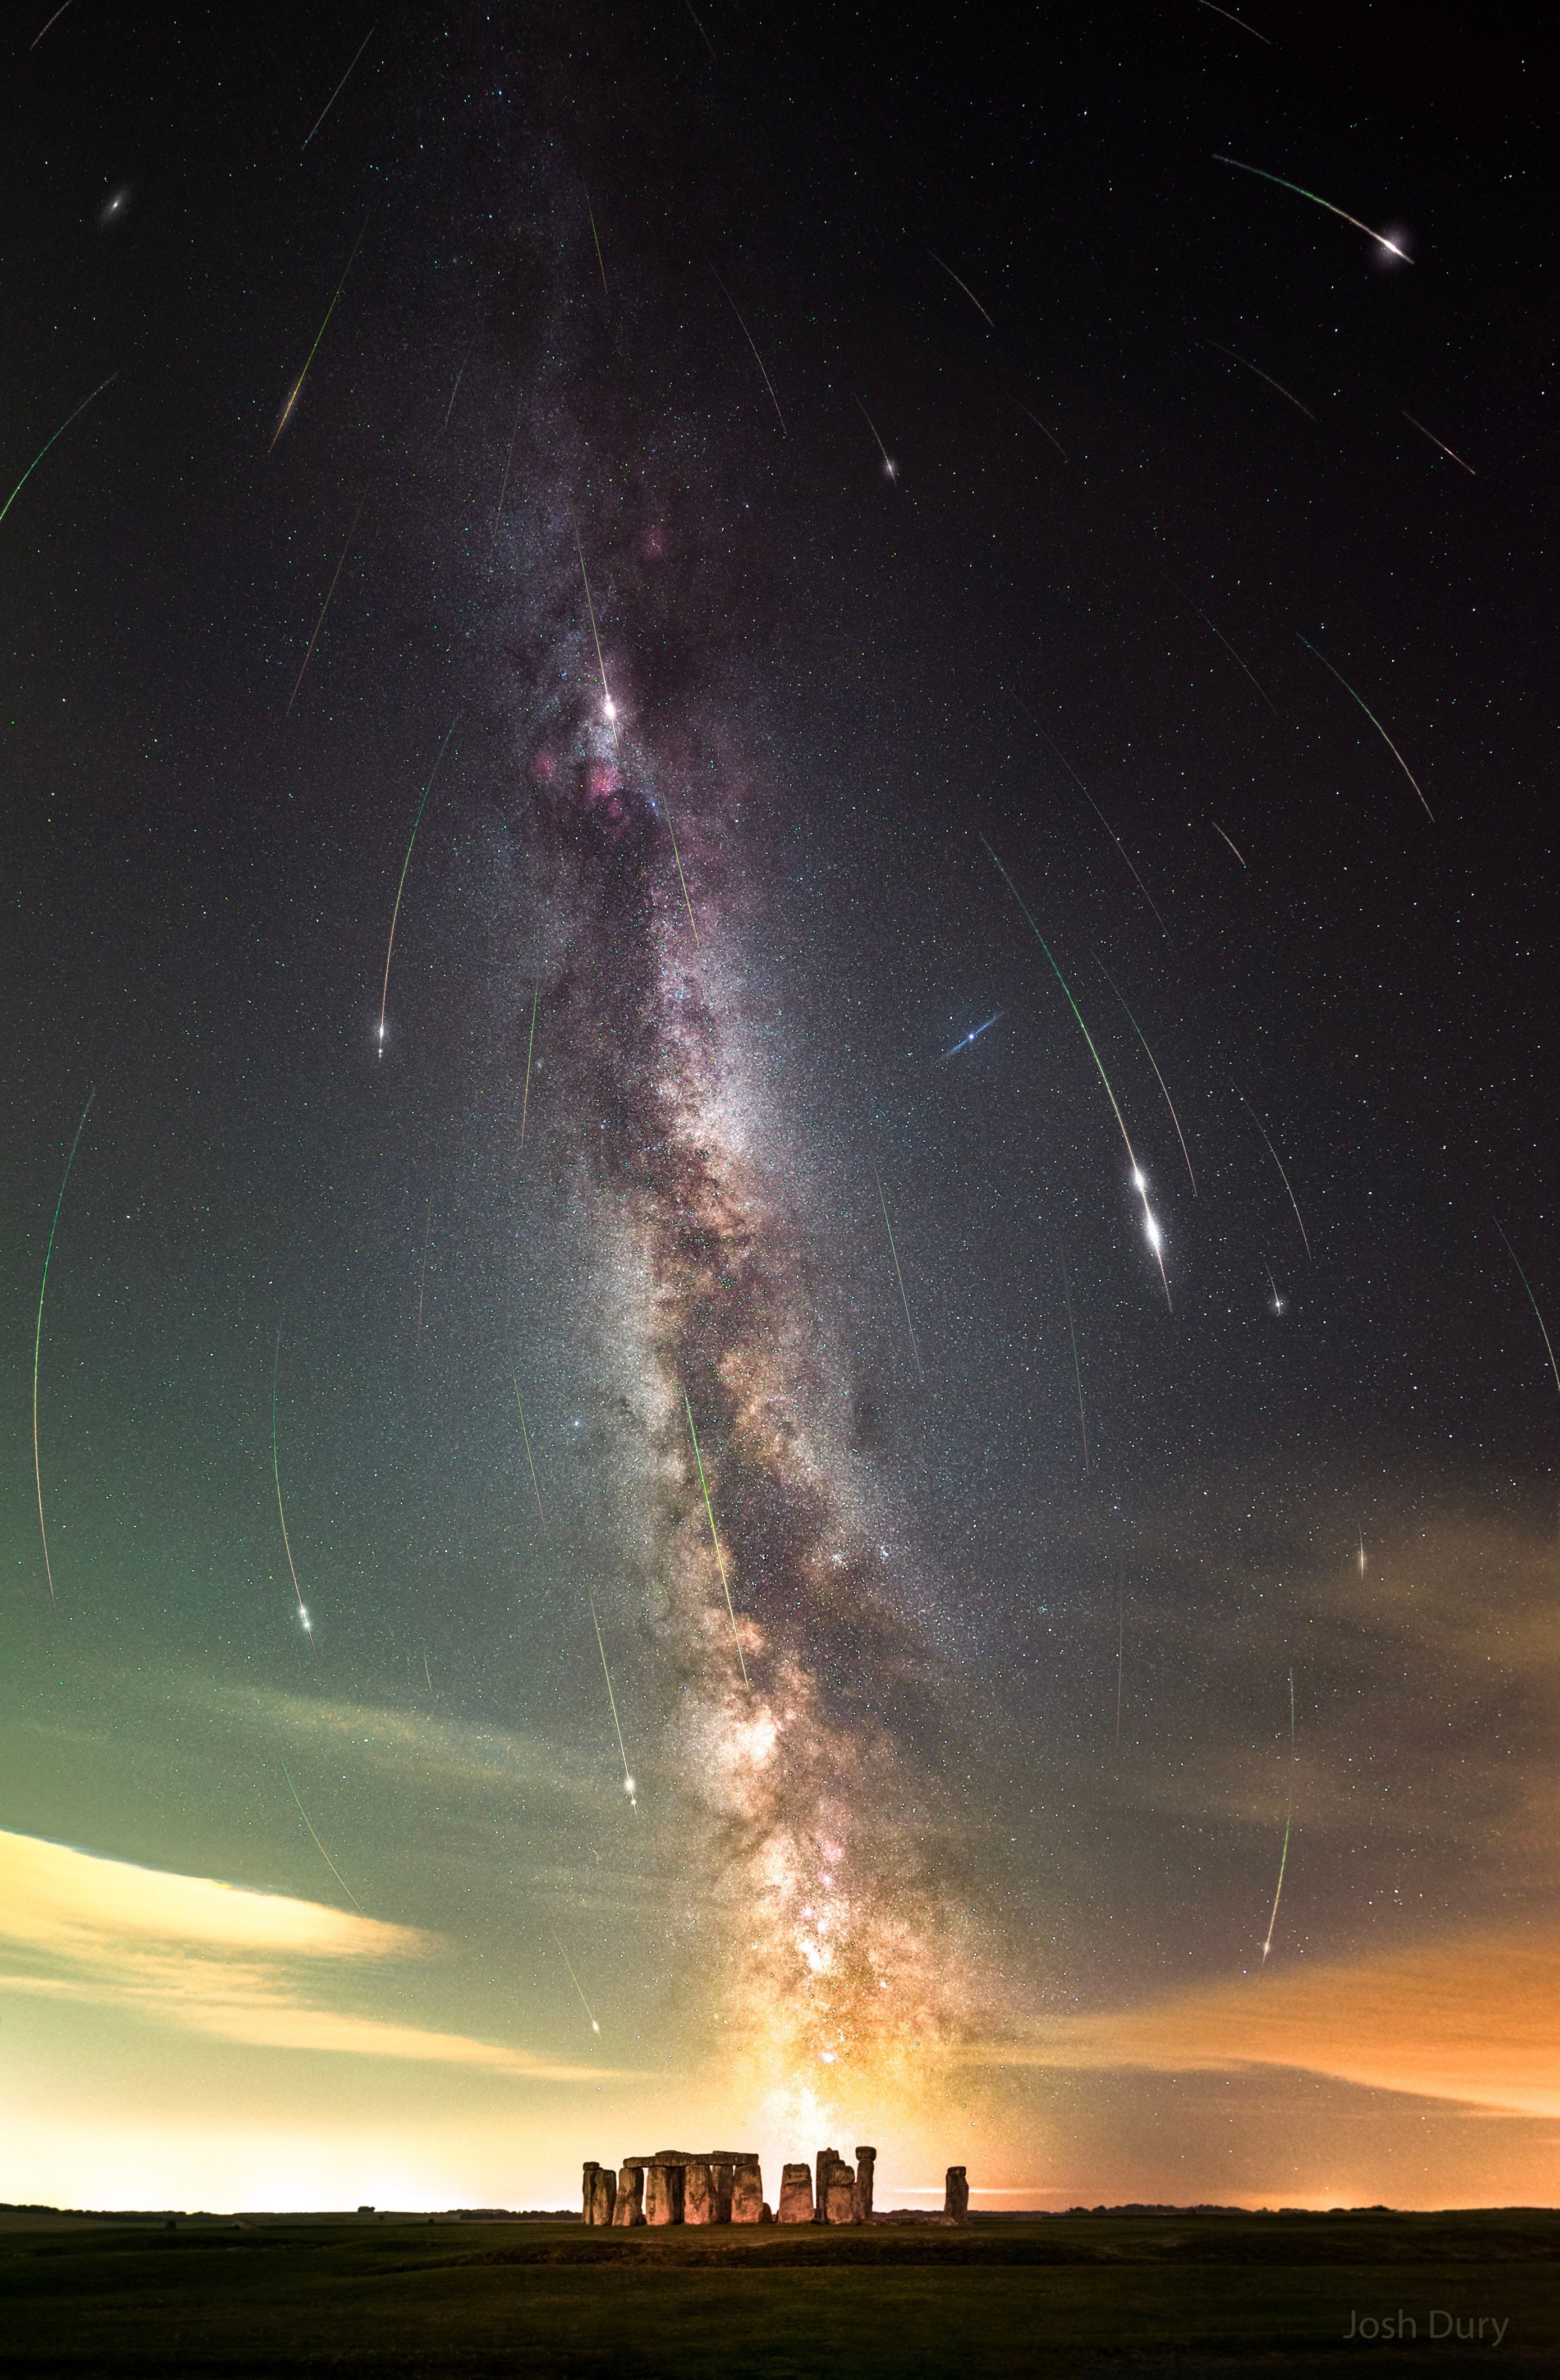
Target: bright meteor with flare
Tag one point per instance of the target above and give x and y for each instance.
(628, 1784)
(395, 913)
(1140, 1184)
(1279, 183)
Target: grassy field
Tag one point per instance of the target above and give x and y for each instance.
(1106, 2295)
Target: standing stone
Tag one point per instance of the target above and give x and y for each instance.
(663, 2193)
(840, 2194)
(796, 2193)
(603, 2196)
(823, 2165)
(588, 2192)
(956, 2199)
(747, 2191)
(628, 2206)
(866, 2160)
(698, 2193)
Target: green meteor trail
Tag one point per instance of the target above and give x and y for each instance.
(1279, 183)
(395, 914)
(715, 1538)
(38, 1334)
(1288, 1818)
(65, 425)
(321, 1848)
(628, 1785)
(1374, 721)
(298, 385)
(1139, 1181)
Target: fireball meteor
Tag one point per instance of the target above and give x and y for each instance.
(281, 1510)
(574, 1979)
(1279, 183)
(1154, 1061)
(1151, 1228)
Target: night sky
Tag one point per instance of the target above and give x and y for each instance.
(1075, 636)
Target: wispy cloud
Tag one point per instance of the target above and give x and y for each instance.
(218, 1959)
(1475, 2020)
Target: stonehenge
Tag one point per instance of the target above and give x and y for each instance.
(727, 2186)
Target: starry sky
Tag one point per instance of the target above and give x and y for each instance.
(786, 784)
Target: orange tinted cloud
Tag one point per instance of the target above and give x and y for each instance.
(216, 1958)
(1476, 2020)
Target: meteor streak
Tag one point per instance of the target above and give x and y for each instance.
(422, 1276)
(1441, 442)
(628, 1785)
(597, 237)
(1288, 1816)
(1237, 20)
(699, 30)
(574, 1979)
(715, 1538)
(1278, 1161)
(395, 913)
(1374, 721)
(298, 385)
(455, 391)
(342, 85)
(531, 1045)
(38, 1334)
(1096, 807)
(891, 468)
(1229, 649)
(757, 357)
(973, 1037)
(900, 1278)
(1151, 1228)
(1251, 367)
(326, 605)
(1278, 179)
(961, 285)
(1277, 1300)
(508, 466)
(1039, 425)
(1511, 1252)
(280, 1509)
(527, 1436)
(320, 1846)
(1361, 1554)
(53, 21)
(1224, 838)
(65, 425)
(1077, 1368)
(1158, 1077)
